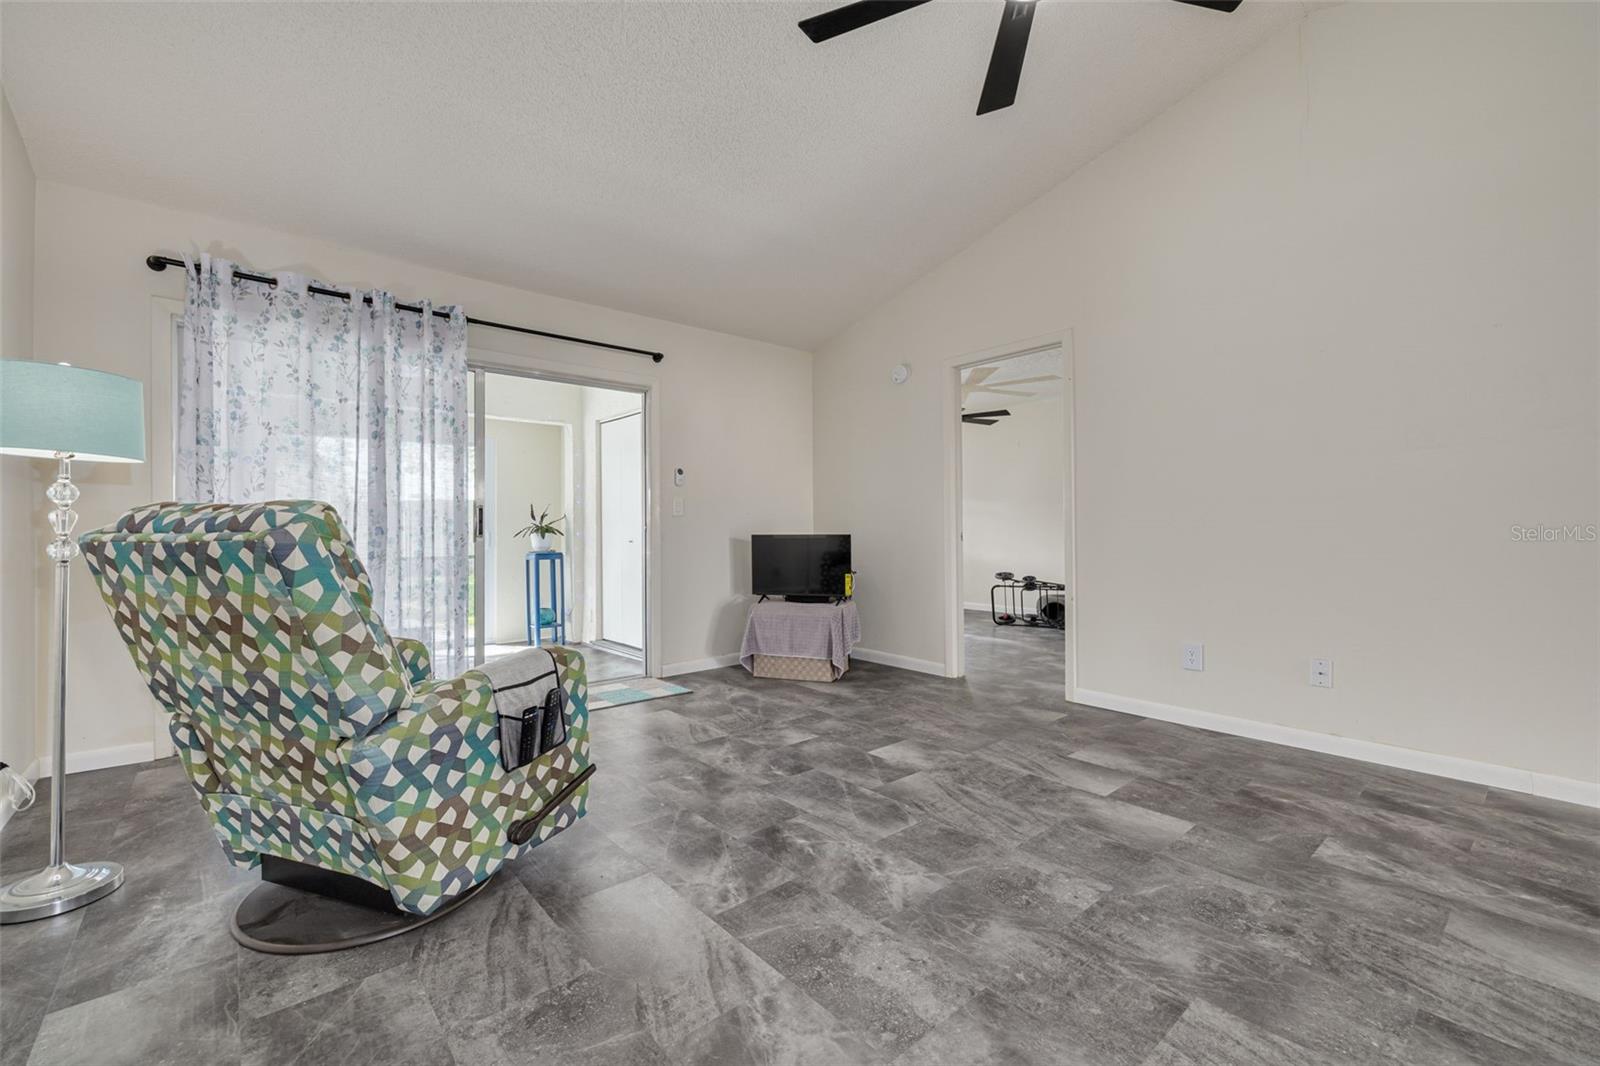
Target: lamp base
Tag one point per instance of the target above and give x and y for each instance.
(57, 890)
(62, 886)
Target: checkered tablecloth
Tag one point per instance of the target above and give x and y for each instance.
(802, 631)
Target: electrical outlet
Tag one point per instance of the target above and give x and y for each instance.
(1322, 673)
(1194, 656)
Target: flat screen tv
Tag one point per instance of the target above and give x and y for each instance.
(799, 565)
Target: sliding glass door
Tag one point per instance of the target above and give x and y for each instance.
(573, 452)
(476, 603)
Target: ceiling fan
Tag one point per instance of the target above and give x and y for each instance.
(984, 418)
(978, 383)
(1005, 62)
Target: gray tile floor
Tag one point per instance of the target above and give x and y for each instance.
(891, 868)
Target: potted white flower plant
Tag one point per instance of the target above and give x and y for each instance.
(542, 530)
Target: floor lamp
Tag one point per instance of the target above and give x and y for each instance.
(61, 412)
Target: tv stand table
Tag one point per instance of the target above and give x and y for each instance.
(800, 641)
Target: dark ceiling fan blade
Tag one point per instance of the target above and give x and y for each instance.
(853, 16)
(1228, 6)
(980, 421)
(1005, 62)
(985, 414)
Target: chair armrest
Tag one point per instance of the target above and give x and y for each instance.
(434, 796)
(414, 659)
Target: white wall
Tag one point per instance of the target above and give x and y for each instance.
(1334, 324)
(21, 500)
(1013, 498)
(95, 300)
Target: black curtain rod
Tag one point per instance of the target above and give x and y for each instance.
(161, 262)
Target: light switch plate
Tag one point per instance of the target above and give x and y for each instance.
(677, 507)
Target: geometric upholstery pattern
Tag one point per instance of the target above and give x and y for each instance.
(415, 659)
(308, 732)
(435, 798)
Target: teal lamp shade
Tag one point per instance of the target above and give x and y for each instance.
(47, 409)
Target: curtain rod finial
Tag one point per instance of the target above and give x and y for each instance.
(155, 262)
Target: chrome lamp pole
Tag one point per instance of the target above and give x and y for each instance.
(65, 413)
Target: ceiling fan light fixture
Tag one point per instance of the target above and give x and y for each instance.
(1010, 45)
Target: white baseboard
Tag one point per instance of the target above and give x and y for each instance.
(982, 608)
(903, 662)
(1567, 789)
(696, 665)
(100, 758)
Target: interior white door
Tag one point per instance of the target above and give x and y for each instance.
(621, 568)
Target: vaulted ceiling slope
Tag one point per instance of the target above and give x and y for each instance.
(699, 162)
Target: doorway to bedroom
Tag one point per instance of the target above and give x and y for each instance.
(1014, 509)
(559, 504)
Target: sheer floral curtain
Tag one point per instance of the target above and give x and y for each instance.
(287, 395)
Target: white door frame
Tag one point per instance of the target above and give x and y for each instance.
(955, 656)
(600, 518)
(502, 353)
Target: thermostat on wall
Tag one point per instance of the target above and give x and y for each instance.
(899, 374)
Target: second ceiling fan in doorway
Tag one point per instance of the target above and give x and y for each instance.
(1010, 44)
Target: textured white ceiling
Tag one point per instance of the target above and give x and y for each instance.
(701, 162)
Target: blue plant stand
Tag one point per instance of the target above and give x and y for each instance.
(538, 568)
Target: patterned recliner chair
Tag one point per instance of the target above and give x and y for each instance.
(308, 732)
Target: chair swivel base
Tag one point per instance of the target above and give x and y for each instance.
(303, 910)
(57, 889)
